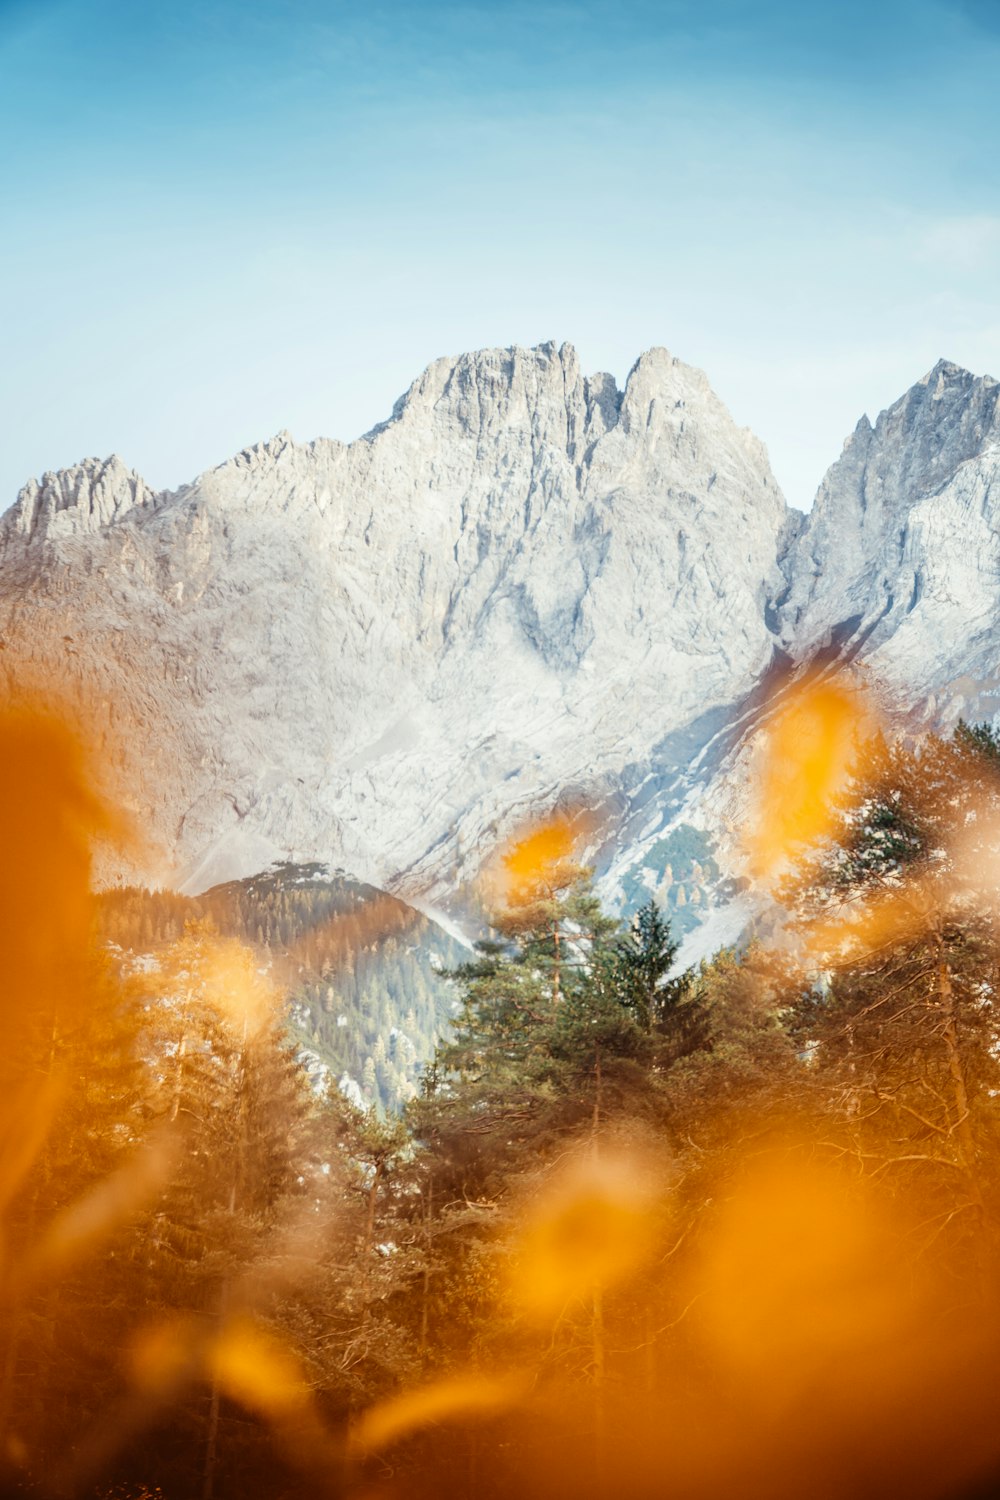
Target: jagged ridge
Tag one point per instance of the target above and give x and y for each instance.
(388, 652)
(524, 585)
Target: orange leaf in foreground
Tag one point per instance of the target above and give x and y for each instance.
(457, 1397)
(806, 754)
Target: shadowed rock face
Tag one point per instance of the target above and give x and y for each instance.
(386, 654)
(526, 585)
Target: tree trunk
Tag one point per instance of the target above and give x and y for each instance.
(16, 1313)
(8, 1378)
(556, 996)
(425, 1292)
(597, 1351)
(960, 1093)
(179, 1081)
(597, 1376)
(372, 1201)
(211, 1442)
(235, 1193)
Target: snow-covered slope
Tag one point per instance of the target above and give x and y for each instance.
(525, 585)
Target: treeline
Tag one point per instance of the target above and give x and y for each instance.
(681, 873)
(360, 969)
(734, 1231)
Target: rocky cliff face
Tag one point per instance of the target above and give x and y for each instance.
(898, 564)
(525, 585)
(73, 502)
(896, 570)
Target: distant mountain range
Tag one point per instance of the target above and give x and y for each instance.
(526, 589)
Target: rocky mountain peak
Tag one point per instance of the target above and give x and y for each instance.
(448, 385)
(544, 389)
(953, 416)
(897, 562)
(947, 373)
(389, 652)
(260, 455)
(659, 372)
(488, 421)
(78, 501)
(526, 584)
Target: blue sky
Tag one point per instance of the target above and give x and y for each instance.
(227, 218)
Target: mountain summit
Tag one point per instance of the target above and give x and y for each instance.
(899, 554)
(74, 502)
(525, 585)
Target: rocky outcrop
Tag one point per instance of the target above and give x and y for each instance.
(73, 502)
(525, 587)
(386, 654)
(898, 564)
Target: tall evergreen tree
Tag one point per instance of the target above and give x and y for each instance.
(903, 1028)
(640, 973)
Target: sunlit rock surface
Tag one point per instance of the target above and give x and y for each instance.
(525, 586)
(385, 654)
(899, 562)
(73, 502)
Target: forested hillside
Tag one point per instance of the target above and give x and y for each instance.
(681, 873)
(362, 971)
(735, 1231)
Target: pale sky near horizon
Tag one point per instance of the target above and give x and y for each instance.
(226, 218)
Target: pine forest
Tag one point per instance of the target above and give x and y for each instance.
(300, 1198)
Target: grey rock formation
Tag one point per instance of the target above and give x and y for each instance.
(525, 585)
(73, 502)
(898, 563)
(526, 588)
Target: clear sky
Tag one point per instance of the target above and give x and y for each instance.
(228, 217)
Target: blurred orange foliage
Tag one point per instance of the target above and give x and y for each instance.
(805, 754)
(452, 1399)
(591, 1227)
(529, 861)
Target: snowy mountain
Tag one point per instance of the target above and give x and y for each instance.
(525, 588)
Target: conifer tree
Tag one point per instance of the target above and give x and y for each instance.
(641, 961)
(219, 1242)
(903, 1028)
